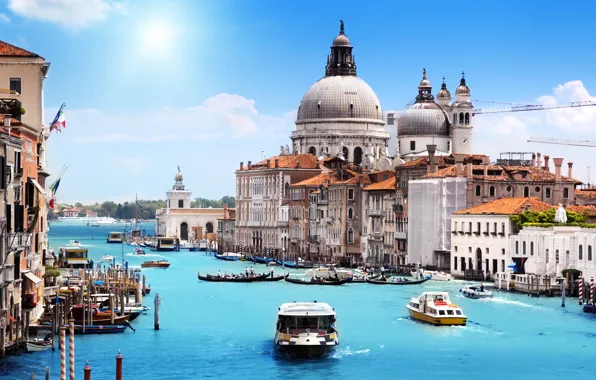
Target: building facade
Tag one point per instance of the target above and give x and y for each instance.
(378, 233)
(178, 219)
(226, 231)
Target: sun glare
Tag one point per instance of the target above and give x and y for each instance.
(157, 37)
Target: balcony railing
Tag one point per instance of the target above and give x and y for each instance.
(19, 240)
(375, 212)
(7, 274)
(34, 261)
(401, 235)
(376, 237)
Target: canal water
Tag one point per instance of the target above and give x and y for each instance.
(211, 330)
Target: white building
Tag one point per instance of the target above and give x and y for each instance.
(341, 114)
(481, 235)
(179, 220)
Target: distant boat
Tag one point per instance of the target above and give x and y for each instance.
(74, 243)
(107, 258)
(38, 345)
(156, 264)
(139, 252)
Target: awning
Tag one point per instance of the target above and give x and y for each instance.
(33, 278)
(38, 186)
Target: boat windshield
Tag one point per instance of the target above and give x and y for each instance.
(301, 324)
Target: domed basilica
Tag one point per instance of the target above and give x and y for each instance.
(340, 115)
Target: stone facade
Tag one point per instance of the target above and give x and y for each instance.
(226, 231)
(379, 233)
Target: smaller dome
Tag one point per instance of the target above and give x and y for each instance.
(341, 40)
(444, 93)
(179, 177)
(423, 119)
(462, 89)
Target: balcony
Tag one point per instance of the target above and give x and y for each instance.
(283, 223)
(18, 240)
(375, 212)
(401, 235)
(314, 239)
(402, 253)
(7, 274)
(34, 261)
(375, 237)
(322, 201)
(330, 219)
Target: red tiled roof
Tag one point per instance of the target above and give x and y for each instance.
(388, 184)
(504, 173)
(506, 206)
(8, 50)
(585, 193)
(589, 210)
(290, 161)
(443, 161)
(321, 179)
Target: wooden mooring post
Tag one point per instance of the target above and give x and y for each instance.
(563, 292)
(119, 366)
(156, 303)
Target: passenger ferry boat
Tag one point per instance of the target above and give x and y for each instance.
(436, 308)
(306, 329)
(115, 238)
(165, 244)
(73, 257)
(436, 275)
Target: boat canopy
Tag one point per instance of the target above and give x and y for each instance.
(306, 308)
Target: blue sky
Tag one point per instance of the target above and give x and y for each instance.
(150, 85)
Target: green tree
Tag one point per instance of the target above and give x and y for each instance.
(231, 201)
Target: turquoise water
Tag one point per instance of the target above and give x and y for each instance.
(211, 330)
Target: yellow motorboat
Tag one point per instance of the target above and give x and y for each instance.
(436, 308)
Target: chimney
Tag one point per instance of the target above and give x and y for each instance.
(459, 164)
(485, 162)
(528, 207)
(249, 164)
(297, 164)
(268, 163)
(225, 207)
(570, 172)
(558, 162)
(431, 157)
(538, 160)
(241, 165)
(533, 159)
(277, 162)
(469, 169)
(546, 160)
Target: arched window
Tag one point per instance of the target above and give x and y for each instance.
(467, 119)
(524, 248)
(492, 191)
(345, 152)
(589, 253)
(531, 248)
(287, 189)
(454, 118)
(580, 252)
(517, 247)
(312, 150)
(565, 193)
(183, 231)
(350, 235)
(548, 192)
(461, 117)
(350, 213)
(357, 155)
(526, 191)
(209, 227)
(477, 190)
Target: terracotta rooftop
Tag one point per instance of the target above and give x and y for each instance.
(589, 210)
(321, 179)
(8, 50)
(506, 206)
(504, 173)
(443, 161)
(586, 193)
(388, 184)
(290, 161)
(197, 211)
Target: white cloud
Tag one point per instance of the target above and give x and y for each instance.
(220, 116)
(4, 18)
(509, 132)
(72, 14)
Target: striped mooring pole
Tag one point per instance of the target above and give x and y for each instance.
(62, 353)
(592, 290)
(71, 348)
(581, 290)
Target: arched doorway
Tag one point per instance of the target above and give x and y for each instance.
(357, 155)
(183, 231)
(478, 259)
(209, 227)
(312, 150)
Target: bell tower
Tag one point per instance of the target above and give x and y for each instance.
(179, 196)
(462, 111)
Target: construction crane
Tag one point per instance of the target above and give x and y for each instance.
(547, 140)
(534, 107)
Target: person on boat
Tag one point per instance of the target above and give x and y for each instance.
(246, 271)
(218, 273)
(271, 271)
(252, 271)
(482, 287)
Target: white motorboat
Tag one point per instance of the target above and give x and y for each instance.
(106, 258)
(306, 329)
(38, 345)
(139, 252)
(74, 243)
(436, 275)
(476, 292)
(326, 273)
(436, 308)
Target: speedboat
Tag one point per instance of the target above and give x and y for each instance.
(139, 251)
(306, 329)
(476, 292)
(436, 275)
(156, 264)
(107, 258)
(74, 243)
(436, 308)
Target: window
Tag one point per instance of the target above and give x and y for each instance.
(503, 229)
(517, 247)
(461, 117)
(350, 235)
(477, 190)
(350, 194)
(524, 248)
(448, 146)
(495, 228)
(180, 203)
(287, 188)
(350, 213)
(537, 189)
(469, 227)
(565, 193)
(15, 85)
(526, 191)
(2, 173)
(548, 192)
(467, 119)
(312, 150)
(412, 145)
(589, 253)
(492, 191)
(580, 253)
(502, 251)
(531, 248)
(478, 228)
(455, 263)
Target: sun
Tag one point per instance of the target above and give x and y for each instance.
(157, 37)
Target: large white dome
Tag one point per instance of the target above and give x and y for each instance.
(338, 98)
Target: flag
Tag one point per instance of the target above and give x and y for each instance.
(55, 185)
(52, 201)
(59, 121)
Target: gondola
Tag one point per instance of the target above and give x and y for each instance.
(287, 264)
(377, 282)
(226, 258)
(272, 279)
(323, 282)
(223, 279)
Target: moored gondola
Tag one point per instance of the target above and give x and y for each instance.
(212, 278)
(272, 279)
(406, 282)
(316, 282)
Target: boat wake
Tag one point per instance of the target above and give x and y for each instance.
(509, 302)
(145, 255)
(344, 352)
